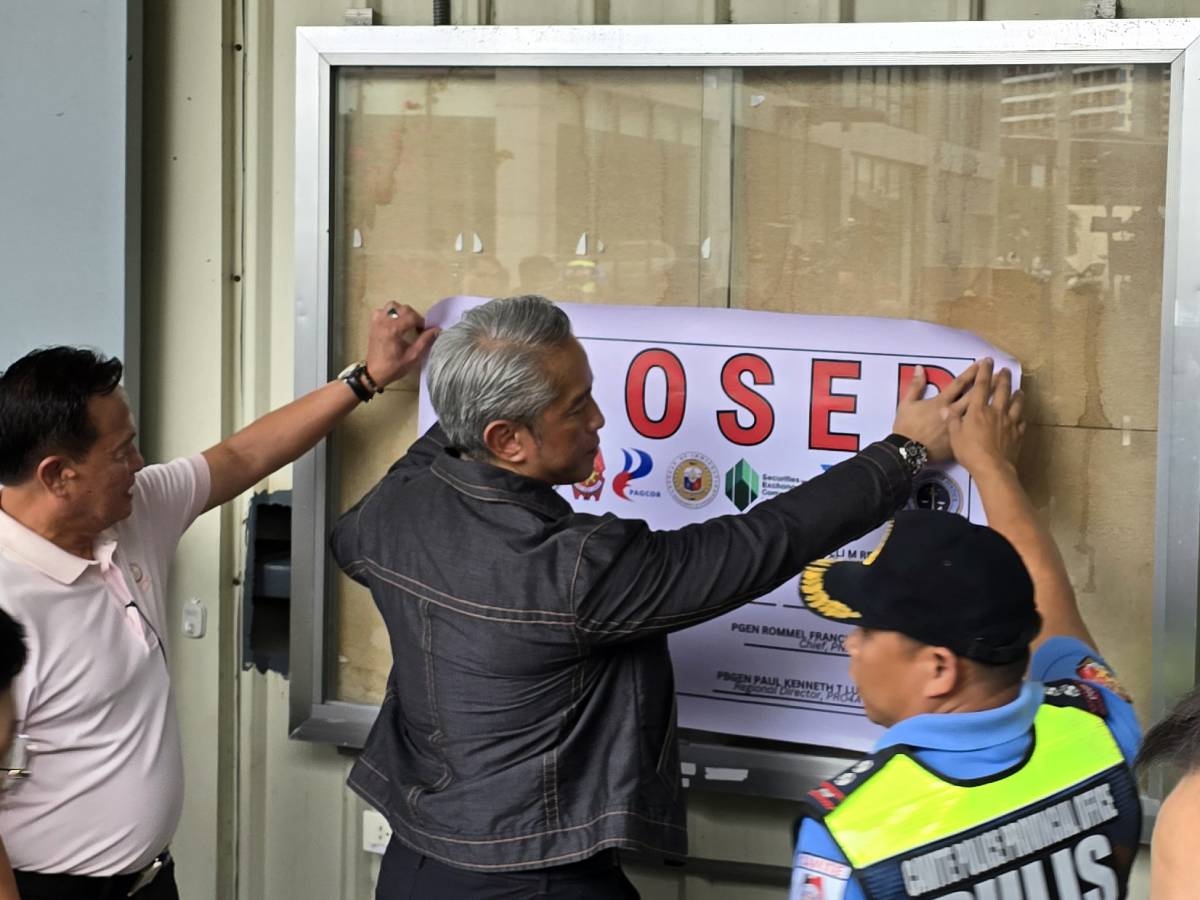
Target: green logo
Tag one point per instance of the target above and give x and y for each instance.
(742, 485)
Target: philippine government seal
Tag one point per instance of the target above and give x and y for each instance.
(692, 479)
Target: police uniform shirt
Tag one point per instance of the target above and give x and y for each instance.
(967, 746)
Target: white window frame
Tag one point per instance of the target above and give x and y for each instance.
(320, 51)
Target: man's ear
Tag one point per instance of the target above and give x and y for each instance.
(55, 474)
(507, 441)
(943, 671)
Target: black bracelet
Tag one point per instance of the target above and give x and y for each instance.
(360, 390)
(370, 382)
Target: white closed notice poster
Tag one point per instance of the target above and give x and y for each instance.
(710, 411)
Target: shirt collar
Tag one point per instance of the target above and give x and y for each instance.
(970, 730)
(495, 484)
(47, 557)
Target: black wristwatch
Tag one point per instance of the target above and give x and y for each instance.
(360, 381)
(912, 453)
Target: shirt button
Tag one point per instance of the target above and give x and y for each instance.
(136, 571)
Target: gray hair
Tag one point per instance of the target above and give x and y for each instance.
(491, 365)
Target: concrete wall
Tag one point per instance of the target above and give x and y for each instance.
(266, 818)
(189, 393)
(70, 100)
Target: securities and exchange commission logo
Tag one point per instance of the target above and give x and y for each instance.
(742, 485)
(692, 479)
(934, 489)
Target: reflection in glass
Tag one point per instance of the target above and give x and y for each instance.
(1022, 203)
(580, 184)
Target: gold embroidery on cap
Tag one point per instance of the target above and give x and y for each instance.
(874, 554)
(812, 586)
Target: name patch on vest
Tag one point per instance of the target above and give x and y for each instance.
(1076, 870)
(817, 878)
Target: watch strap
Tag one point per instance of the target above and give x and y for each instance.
(369, 382)
(353, 378)
(912, 453)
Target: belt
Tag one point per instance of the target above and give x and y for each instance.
(92, 887)
(597, 864)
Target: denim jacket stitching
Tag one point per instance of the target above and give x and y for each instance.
(599, 626)
(436, 735)
(550, 832)
(550, 860)
(550, 787)
(579, 563)
(366, 761)
(500, 495)
(362, 504)
(378, 571)
(892, 486)
(669, 780)
(623, 840)
(356, 785)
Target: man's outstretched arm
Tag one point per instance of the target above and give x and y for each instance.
(283, 435)
(986, 438)
(631, 581)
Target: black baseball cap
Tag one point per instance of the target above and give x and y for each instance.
(938, 579)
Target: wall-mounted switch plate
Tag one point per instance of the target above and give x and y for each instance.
(195, 618)
(376, 832)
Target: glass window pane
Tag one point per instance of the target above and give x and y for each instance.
(1024, 204)
(582, 184)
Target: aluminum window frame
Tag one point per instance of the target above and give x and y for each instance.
(320, 51)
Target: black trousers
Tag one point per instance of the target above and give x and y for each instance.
(407, 875)
(36, 886)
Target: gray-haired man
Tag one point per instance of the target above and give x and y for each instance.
(528, 728)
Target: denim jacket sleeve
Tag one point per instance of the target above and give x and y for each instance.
(630, 582)
(344, 540)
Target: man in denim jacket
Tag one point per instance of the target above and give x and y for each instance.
(528, 727)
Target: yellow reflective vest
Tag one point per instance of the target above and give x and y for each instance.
(1064, 824)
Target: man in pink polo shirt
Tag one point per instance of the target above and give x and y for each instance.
(12, 660)
(87, 532)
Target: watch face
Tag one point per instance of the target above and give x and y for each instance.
(349, 370)
(915, 455)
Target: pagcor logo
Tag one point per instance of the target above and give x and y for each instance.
(638, 464)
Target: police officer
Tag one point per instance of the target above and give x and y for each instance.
(986, 784)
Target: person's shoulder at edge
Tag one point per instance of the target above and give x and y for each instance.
(817, 854)
(1174, 864)
(1065, 657)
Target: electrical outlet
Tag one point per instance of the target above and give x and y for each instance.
(376, 832)
(194, 618)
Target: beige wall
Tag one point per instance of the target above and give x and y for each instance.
(262, 812)
(188, 383)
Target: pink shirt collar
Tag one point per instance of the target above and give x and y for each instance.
(49, 558)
